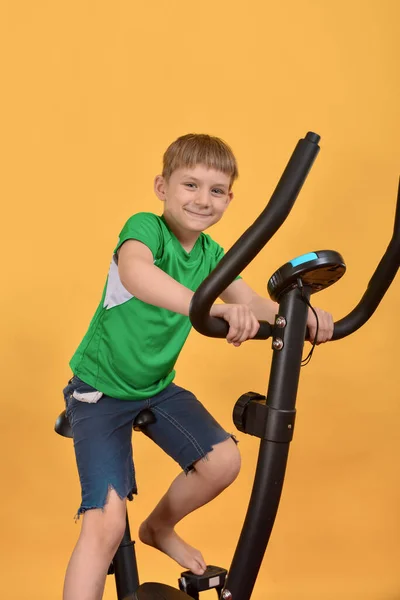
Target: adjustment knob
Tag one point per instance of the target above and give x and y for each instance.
(239, 410)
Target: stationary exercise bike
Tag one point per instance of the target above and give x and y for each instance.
(270, 418)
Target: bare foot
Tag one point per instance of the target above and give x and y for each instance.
(169, 542)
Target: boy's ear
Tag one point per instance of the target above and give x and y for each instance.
(159, 187)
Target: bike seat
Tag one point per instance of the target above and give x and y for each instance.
(144, 418)
(62, 426)
(157, 591)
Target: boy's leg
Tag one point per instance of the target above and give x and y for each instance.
(188, 433)
(187, 493)
(102, 434)
(101, 533)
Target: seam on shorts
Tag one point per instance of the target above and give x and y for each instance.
(189, 436)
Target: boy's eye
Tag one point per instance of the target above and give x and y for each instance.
(218, 191)
(190, 184)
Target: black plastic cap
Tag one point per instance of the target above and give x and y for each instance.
(313, 137)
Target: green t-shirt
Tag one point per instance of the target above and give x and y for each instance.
(131, 347)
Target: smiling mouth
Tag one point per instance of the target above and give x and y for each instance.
(195, 214)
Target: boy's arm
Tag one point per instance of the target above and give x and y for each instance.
(242, 310)
(148, 283)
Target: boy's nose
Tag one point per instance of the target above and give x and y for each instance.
(202, 199)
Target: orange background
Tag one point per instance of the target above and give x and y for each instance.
(93, 92)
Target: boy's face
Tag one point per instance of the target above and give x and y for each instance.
(194, 199)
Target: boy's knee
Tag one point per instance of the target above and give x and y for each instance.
(106, 526)
(222, 465)
(231, 461)
(114, 528)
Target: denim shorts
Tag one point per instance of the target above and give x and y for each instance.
(102, 432)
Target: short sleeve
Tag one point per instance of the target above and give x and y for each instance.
(144, 227)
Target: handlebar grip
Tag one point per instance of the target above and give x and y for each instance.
(220, 329)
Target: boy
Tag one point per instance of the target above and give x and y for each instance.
(125, 363)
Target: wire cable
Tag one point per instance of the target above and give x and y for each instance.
(306, 360)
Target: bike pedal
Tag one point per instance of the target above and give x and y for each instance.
(213, 577)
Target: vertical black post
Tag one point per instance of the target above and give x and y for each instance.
(125, 567)
(272, 459)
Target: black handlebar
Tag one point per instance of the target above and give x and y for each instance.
(252, 241)
(377, 287)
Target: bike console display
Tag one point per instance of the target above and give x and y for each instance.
(317, 271)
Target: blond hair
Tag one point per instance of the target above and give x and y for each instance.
(199, 148)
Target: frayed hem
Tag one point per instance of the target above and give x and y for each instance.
(204, 457)
(84, 509)
(128, 496)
